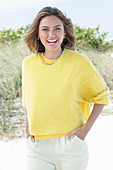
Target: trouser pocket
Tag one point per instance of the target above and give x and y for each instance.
(76, 138)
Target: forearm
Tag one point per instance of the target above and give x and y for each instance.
(27, 128)
(27, 131)
(94, 114)
(81, 132)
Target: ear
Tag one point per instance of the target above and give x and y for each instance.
(64, 34)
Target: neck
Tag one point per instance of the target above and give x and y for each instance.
(52, 54)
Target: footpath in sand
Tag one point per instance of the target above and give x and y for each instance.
(99, 140)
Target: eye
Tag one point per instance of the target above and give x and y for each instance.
(58, 28)
(44, 29)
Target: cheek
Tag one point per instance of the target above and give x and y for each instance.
(60, 34)
(43, 35)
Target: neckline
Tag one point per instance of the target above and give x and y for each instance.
(47, 59)
(58, 60)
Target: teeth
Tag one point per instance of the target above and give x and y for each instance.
(52, 41)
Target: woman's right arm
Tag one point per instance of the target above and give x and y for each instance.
(27, 131)
(27, 128)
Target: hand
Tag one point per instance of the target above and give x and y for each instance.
(32, 137)
(27, 131)
(81, 132)
(28, 135)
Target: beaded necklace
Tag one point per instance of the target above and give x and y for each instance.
(54, 61)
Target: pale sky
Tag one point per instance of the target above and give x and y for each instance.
(85, 13)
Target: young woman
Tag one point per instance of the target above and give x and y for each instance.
(58, 85)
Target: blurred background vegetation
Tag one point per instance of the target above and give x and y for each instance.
(90, 42)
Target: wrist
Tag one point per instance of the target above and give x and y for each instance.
(87, 126)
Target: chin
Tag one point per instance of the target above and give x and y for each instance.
(53, 48)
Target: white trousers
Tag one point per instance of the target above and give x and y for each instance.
(57, 154)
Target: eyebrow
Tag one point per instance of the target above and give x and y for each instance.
(54, 26)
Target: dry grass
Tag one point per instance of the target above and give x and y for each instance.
(11, 57)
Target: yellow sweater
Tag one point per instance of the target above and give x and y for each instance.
(57, 97)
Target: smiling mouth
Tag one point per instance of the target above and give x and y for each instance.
(52, 41)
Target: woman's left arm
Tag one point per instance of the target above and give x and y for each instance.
(81, 132)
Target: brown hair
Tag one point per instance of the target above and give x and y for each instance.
(35, 45)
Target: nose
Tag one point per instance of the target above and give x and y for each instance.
(51, 33)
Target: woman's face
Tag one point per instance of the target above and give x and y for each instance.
(51, 33)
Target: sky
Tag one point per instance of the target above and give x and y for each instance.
(85, 13)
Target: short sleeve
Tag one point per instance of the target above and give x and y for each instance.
(23, 85)
(95, 90)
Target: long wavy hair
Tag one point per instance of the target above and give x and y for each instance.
(35, 45)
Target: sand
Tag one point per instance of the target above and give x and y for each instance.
(99, 140)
